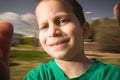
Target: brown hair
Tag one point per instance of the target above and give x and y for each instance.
(77, 9)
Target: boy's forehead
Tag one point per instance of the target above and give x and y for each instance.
(51, 10)
(64, 3)
(54, 6)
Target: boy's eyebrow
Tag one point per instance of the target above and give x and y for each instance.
(60, 14)
(57, 15)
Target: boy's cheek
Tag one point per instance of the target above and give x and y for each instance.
(42, 41)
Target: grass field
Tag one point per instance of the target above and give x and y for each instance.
(24, 46)
(23, 61)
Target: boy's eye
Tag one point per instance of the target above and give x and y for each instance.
(43, 27)
(61, 21)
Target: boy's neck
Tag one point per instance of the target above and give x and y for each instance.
(74, 68)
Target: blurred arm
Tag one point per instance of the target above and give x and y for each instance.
(6, 31)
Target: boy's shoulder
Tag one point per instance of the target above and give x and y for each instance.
(41, 71)
(104, 67)
(105, 71)
(43, 67)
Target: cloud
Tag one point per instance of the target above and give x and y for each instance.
(9, 16)
(28, 17)
(88, 12)
(95, 18)
(23, 23)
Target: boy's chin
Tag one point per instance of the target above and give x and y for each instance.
(58, 55)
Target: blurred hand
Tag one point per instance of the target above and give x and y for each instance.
(6, 31)
(116, 12)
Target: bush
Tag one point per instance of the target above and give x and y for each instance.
(93, 24)
(108, 36)
(30, 41)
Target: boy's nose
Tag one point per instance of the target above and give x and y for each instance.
(54, 31)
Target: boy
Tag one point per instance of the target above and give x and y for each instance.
(63, 29)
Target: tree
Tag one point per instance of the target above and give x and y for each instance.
(93, 24)
(108, 35)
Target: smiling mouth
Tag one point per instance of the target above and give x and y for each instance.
(62, 41)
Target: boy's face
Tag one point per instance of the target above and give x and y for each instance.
(61, 35)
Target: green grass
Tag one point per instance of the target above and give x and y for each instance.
(23, 61)
(29, 56)
(24, 46)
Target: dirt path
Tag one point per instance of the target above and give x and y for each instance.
(95, 54)
(92, 53)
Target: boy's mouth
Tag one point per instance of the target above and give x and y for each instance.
(59, 41)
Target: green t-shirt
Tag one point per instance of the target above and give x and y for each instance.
(51, 71)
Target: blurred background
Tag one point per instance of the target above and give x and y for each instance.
(26, 53)
(99, 13)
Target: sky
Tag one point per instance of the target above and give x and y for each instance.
(21, 12)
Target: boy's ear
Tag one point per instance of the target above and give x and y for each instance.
(86, 30)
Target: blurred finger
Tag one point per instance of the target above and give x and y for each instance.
(116, 11)
(6, 31)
